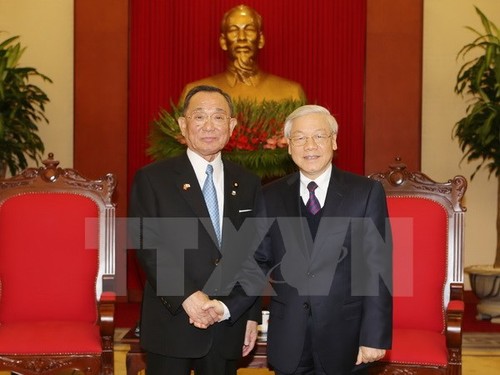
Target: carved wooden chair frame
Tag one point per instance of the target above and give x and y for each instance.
(399, 182)
(51, 178)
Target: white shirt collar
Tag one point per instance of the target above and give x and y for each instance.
(200, 166)
(323, 181)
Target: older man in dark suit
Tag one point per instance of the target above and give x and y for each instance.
(329, 258)
(187, 205)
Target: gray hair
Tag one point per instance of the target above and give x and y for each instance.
(307, 110)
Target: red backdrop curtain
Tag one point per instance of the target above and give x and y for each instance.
(319, 43)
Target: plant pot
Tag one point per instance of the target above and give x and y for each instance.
(485, 283)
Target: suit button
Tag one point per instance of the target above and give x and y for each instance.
(306, 305)
(217, 261)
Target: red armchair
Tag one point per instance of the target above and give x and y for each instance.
(56, 272)
(427, 221)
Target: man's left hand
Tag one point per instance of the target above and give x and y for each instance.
(367, 355)
(250, 337)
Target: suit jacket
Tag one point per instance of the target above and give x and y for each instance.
(342, 279)
(177, 250)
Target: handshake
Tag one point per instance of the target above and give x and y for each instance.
(203, 311)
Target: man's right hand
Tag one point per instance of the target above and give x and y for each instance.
(197, 316)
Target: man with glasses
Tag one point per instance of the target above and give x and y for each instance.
(188, 205)
(242, 38)
(328, 256)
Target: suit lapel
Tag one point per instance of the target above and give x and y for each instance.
(292, 191)
(335, 195)
(231, 196)
(332, 208)
(190, 191)
(297, 224)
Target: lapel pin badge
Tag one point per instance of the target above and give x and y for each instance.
(235, 187)
(186, 187)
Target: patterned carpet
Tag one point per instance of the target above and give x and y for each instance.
(480, 353)
(481, 343)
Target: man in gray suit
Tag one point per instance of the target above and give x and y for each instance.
(188, 207)
(328, 256)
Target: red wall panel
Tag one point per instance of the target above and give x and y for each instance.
(319, 43)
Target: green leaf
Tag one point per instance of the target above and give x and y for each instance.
(22, 108)
(260, 127)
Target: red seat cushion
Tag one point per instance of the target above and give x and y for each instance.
(50, 338)
(421, 347)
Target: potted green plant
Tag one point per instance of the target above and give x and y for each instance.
(478, 134)
(22, 108)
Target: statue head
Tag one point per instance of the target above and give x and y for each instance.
(241, 36)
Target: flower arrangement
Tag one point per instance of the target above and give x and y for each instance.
(257, 142)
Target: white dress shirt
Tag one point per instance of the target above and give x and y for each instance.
(200, 167)
(323, 181)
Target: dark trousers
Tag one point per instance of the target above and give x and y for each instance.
(211, 364)
(310, 363)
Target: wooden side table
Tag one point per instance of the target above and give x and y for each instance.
(136, 358)
(257, 358)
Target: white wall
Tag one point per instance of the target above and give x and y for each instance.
(444, 35)
(45, 28)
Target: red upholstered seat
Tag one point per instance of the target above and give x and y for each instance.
(431, 347)
(427, 226)
(50, 337)
(56, 272)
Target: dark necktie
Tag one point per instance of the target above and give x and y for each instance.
(211, 200)
(312, 205)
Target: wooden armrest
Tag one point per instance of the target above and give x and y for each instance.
(108, 297)
(454, 316)
(456, 291)
(107, 314)
(107, 330)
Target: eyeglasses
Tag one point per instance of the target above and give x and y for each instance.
(217, 118)
(319, 139)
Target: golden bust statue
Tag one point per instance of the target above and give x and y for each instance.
(242, 37)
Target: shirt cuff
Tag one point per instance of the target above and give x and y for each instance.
(227, 314)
